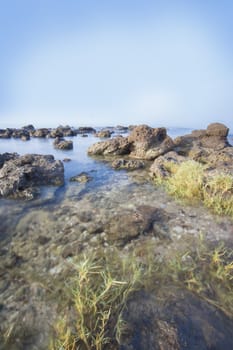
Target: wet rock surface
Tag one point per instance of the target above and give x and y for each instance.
(19, 176)
(182, 322)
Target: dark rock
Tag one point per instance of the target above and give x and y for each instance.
(7, 156)
(133, 223)
(129, 164)
(183, 322)
(86, 130)
(42, 240)
(62, 131)
(66, 160)
(62, 144)
(5, 133)
(20, 176)
(21, 134)
(82, 177)
(28, 128)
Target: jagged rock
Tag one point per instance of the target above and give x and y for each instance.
(129, 164)
(143, 142)
(115, 146)
(20, 175)
(7, 156)
(149, 143)
(63, 144)
(213, 138)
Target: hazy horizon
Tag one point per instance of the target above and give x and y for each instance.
(120, 62)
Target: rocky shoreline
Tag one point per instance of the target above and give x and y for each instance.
(127, 214)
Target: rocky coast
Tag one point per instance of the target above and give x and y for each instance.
(116, 206)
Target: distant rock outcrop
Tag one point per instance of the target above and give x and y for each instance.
(63, 144)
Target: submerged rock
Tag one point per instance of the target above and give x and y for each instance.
(20, 176)
(129, 164)
(184, 321)
(83, 177)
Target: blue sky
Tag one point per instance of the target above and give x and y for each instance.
(114, 62)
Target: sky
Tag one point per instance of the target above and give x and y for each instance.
(109, 62)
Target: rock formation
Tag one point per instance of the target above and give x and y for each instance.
(19, 176)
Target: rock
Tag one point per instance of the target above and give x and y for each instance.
(86, 130)
(5, 133)
(25, 137)
(159, 168)
(62, 131)
(7, 156)
(63, 144)
(128, 164)
(20, 176)
(104, 134)
(213, 138)
(183, 322)
(82, 177)
(133, 223)
(149, 143)
(21, 134)
(217, 129)
(43, 132)
(115, 146)
(143, 142)
(66, 160)
(29, 127)
(121, 129)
